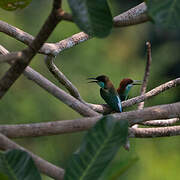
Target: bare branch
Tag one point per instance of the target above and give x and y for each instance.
(146, 74)
(43, 166)
(154, 132)
(18, 67)
(61, 127)
(62, 78)
(57, 92)
(131, 17)
(103, 108)
(153, 92)
(75, 104)
(158, 123)
(14, 56)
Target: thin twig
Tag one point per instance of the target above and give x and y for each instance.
(146, 74)
(62, 127)
(62, 78)
(18, 67)
(44, 166)
(146, 77)
(131, 17)
(153, 92)
(154, 132)
(47, 85)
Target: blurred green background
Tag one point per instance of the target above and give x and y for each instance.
(122, 54)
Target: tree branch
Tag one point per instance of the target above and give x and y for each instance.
(153, 92)
(146, 74)
(14, 56)
(61, 95)
(62, 78)
(131, 17)
(73, 103)
(158, 123)
(18, 67)
(44, 166)
(69, 126)
(154, 132)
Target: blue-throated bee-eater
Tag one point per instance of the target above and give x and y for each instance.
(108, 92)
(125, 86)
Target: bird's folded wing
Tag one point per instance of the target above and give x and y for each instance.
(111, 99)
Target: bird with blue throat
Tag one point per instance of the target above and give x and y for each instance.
(108, 92)
(125, 86)
(112, 96)
(123, 91)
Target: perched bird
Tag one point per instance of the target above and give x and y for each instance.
(108, 92)
(125, 86)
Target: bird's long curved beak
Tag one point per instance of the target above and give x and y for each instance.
(94, 80)
(137, 82)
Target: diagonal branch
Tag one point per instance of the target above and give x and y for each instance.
(18, 67)
(130, 17)
(73, 103)
(62, 78)
(135, 15)
(62, 127)
(61, 95)
(43, 166)
(153, 92)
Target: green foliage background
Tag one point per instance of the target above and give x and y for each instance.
(122, 54)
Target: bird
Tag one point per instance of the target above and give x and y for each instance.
(125, 86)
(123, 91)
(108, 92)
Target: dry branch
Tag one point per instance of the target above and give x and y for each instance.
(159, 123)
(43, 166)
(135, 15)
(130, 17)
(73, 103)
(14, 56)
(69, 126)
(146, 74)
(63, 96)
(19, 66)
(154, 132)
(62, 78)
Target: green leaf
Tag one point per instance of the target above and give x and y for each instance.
(92, 16)
(97, 149)
(164, 12)
(12, 5)
(18, 165)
